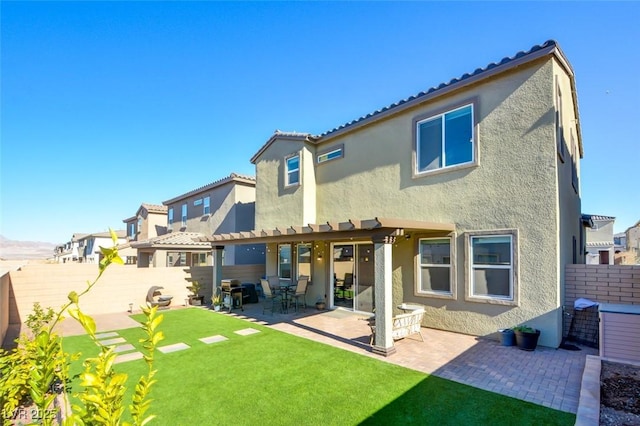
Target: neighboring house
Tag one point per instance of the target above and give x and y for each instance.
(224, 206)
(69, 251)
(89, 245)
(600, 248)
(464, 198)
(149, 221)
(633, 241)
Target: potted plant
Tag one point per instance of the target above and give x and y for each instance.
(320, 305)
(195, 299)
(526, 337)
(217, 302)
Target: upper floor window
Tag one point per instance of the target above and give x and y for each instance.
(132, 229)
(445, 140)
(492, 266)
(559, 125)
(170, 218)
(139, 228)
(434, 276)
(292, 170)
(206, 209)
(184, 214)
(332, 154)
(197, 202)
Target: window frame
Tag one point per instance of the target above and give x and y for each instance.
(170, 219)
(183, 214)
(560, 142)
(288, 172)
(513, 299)
(290, 261)
(441, 113)
(418, 291)
(310, 247)
(206, 205)
(327, 152)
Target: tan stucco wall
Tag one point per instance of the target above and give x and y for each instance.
(5, 283)
(276, 204)
(513, 187)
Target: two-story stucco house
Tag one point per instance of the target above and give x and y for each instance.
(600, 247)
(463, 198)
(89, 245)
(226, 205)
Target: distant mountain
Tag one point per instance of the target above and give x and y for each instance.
(19, 250)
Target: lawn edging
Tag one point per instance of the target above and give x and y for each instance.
(589, 404)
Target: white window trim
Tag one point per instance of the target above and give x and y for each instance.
(288, 172)
(514, 281)
(441, 112)
(452, 293)
(184, 213)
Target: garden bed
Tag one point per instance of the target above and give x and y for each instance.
(619, 394)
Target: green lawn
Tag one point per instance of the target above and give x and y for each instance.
(274, 378)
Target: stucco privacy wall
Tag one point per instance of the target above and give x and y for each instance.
(5, 283)
(119, 286)
(512, 188)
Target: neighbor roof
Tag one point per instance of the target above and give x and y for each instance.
(233, 177)
(549, 47)
(173, 240)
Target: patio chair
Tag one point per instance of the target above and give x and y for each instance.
(301, 292)
(161, 300)
(272, 300)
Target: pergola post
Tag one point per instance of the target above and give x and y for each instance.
(383, 343)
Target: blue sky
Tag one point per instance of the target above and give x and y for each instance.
(106, 105)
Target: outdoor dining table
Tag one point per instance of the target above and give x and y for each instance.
(285, 289)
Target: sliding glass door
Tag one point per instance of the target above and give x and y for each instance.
(353, 276)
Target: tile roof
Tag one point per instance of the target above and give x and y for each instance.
(174, 239)
(507, 63)
(155, 208)
(233, 177)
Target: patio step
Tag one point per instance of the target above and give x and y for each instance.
(246, 331)
(110, 342)
(106, 335)
(213, 339)
(124, 348)
(128, 357)
(173, 348)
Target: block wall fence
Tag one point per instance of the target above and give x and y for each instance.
(120, 285)
(618, 284)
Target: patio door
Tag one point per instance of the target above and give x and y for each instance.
(353, 276)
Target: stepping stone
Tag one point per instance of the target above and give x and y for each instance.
(213, 339)
(128, 357)
(173, 348)
(247, 331)
(110, 342)
(123, 348)
(101, 336)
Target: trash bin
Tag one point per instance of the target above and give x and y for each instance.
(508, 337)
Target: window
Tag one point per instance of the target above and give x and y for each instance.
(132, 229)
(304, 259)
(445, 140)
(139, 228)
(492, 266)
(434, 276)
(284, 261)
(206, 208)
(184, 214)
(293, 170)
(574, 164)
(199, 259)
(170, 226)
(332, 154)
(559, 128)
(197, 202)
